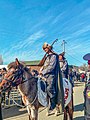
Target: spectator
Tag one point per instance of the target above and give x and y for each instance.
(82, 77)
(70, 76)
(63, 65)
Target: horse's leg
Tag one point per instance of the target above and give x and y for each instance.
(24, 99)
(65, 114)
(32, 110)
(70, 110)
(28, 108)
(29, 112)
(34, 113)
(29, 117)
(72, 101)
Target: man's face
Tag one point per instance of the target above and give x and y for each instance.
(60, 57)
(46, 50)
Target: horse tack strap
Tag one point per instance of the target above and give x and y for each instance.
(32, 101)
(25, 80)
(25, 105)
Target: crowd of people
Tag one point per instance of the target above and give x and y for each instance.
(3, 71)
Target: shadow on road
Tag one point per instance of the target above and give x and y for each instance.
(79, 118)
(79, 107)
(13, 111)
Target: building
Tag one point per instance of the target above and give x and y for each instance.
(1, 60)
(33, 64)
(3, 66)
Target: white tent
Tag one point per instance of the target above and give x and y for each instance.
(3, 66)
(81, 71)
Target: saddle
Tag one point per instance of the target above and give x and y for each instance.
(43, 85)
(42, 94)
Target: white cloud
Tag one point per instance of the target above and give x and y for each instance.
(29, 41)
(23, 49)
(58, 18)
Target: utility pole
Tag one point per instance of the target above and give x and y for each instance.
(63, 44)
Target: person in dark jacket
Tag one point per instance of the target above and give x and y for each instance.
(50, 71)
(63, 65)
(70, 77)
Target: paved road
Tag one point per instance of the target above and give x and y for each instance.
(16, 113)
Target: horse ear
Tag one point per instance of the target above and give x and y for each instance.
(17, 62)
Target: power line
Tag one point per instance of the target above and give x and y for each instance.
(74, 58)
(63, 44)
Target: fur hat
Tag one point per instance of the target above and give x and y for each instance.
(62, 54)
(46, 45)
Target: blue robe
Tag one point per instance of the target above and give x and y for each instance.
(64, 69)
(51, 71)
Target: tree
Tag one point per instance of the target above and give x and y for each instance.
(84, 67)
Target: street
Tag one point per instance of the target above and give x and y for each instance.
(17, 113)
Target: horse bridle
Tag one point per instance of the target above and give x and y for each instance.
(13, 79)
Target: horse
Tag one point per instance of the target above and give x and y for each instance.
(19, 75)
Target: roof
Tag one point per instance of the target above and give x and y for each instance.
(36, 62)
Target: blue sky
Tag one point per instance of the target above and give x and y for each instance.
(26, 24)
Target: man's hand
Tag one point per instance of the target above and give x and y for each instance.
(40, 73)
(42, 77)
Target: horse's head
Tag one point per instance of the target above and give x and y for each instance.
(15, 74)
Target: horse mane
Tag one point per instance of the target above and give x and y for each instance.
(22, 65)
(14, 65)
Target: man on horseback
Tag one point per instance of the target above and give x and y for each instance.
(50, 70)
(63, 65)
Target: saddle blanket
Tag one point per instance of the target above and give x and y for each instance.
(42, 95)
(67, 91)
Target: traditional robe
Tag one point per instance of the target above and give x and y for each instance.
(51, 71)
(64, 68)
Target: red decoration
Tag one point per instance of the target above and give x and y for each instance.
(88, 62)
